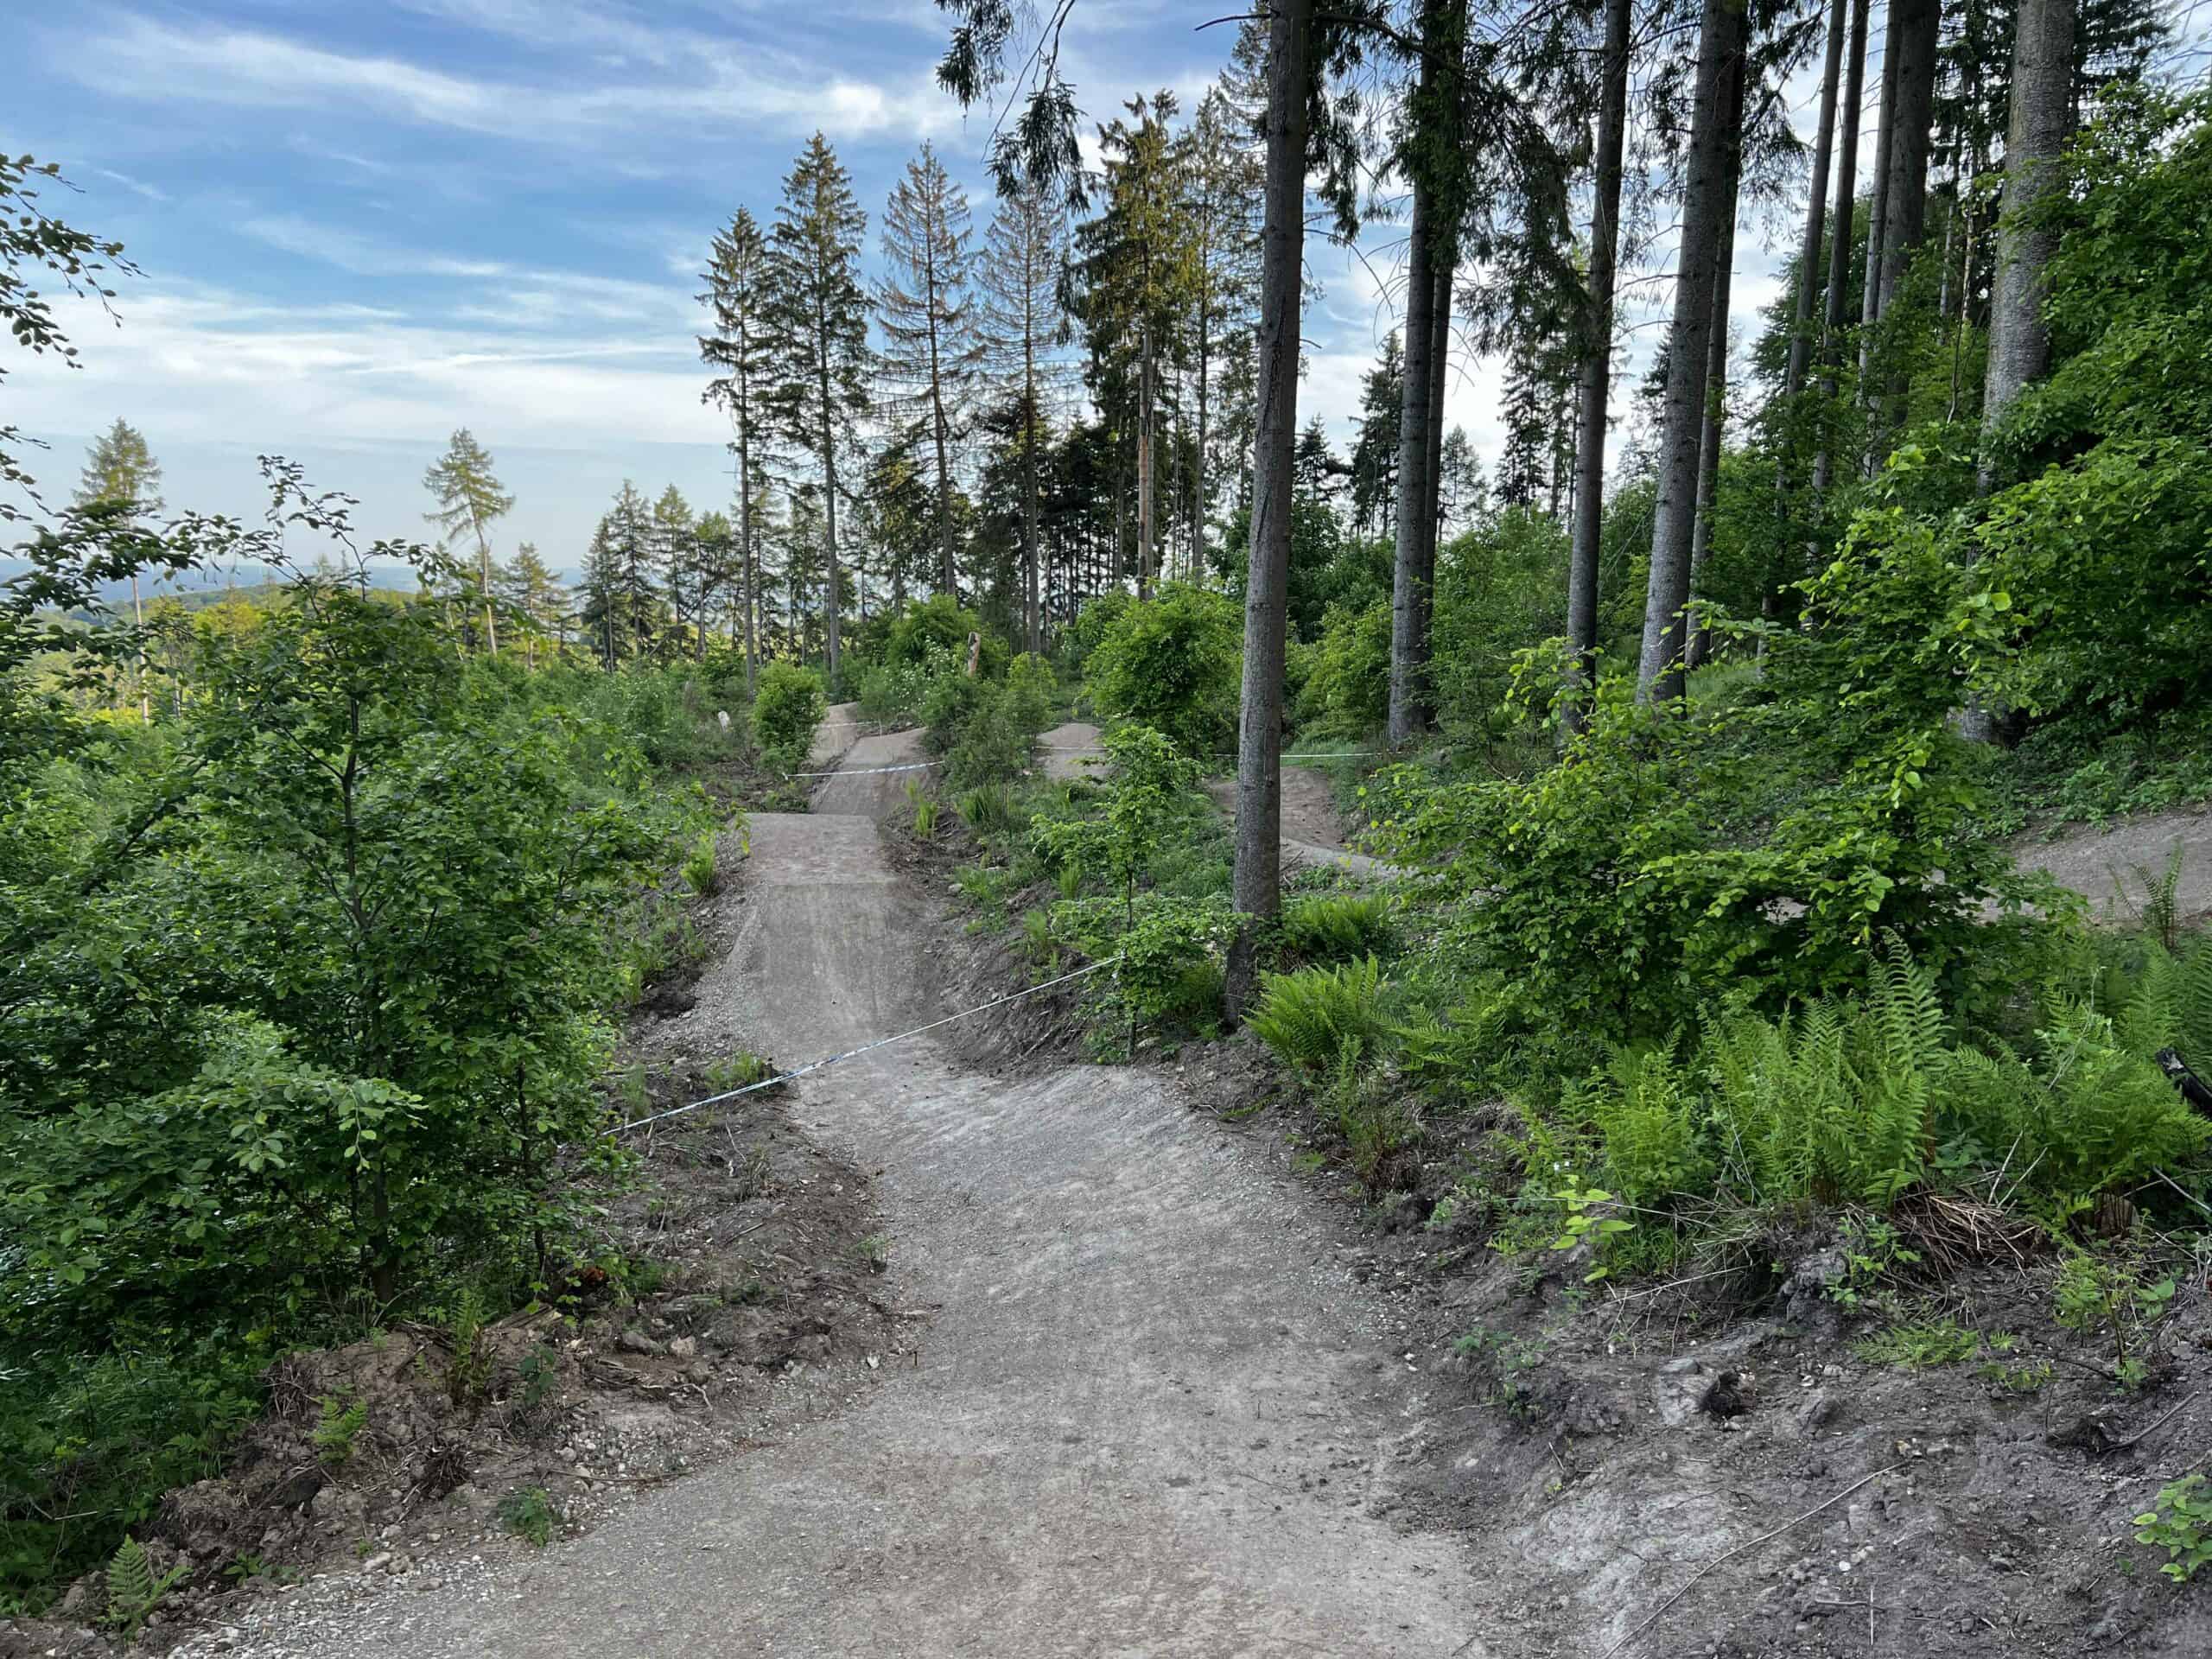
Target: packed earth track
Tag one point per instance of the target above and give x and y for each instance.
(1151, 1412)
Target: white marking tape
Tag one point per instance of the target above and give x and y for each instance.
(863, 772)
(881, 1042)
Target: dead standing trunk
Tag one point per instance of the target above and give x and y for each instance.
(1596, 369)
(1707, 201)
(1258, 888)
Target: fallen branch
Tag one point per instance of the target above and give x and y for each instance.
(1745, 1549)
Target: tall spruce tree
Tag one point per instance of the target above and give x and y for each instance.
(1025, 258)
(738, 295)
(1222, 194)
(1708, 204)
(470, 501)
(926, 308)
(1138, 273)
(820, 316)
(121, 472)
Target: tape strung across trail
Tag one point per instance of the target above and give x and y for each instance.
(812, 1066)
(924, 766)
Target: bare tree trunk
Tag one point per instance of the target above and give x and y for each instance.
(1698, 637)
(1847, 196)
(1913, 27)
(1145, 528)
(1444, 267)
(745, 556)
(1032, 614)
(1408, 712)
(1597, 371)
(1258, 887)
(1707, 201)
(1198, 463)
(2042, 116)
(831, 628)
(484, 575)
(1901, 188)
(1808, 247)
(1870, 304)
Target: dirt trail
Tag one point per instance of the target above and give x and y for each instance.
(1151, 1416)
(1312, 829)
(2103, 862)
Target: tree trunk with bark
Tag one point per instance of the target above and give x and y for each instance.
(1145, 528)
(1708, 202)
(1847, 196)
(1408, 712)
(1697, 639)
(2041, 117)
(1594, 389)
(1257, 887)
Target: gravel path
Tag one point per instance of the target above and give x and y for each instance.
(1152, 1416)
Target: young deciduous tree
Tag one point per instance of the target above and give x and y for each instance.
(926, 307)
(470, 501)
(820, 314)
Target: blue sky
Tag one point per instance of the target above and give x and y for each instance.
(365, 224)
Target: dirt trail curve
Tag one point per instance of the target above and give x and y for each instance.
(1150, 1417)
(1311, 832)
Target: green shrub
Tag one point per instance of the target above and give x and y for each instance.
(133, 1591)
(989, 808)
(2180, 1523)
(336, 1430)
(1349, 680)
(1374, 1114)
(699, 863)
(1172, 664)
(1647, 1114)
(1338, 926)
(786, 709)
(1311, 1017)
(530, 1514)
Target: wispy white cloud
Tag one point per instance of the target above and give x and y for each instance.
(717, 84)
(138, 186)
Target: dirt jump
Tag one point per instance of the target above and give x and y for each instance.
(1151, 1412)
